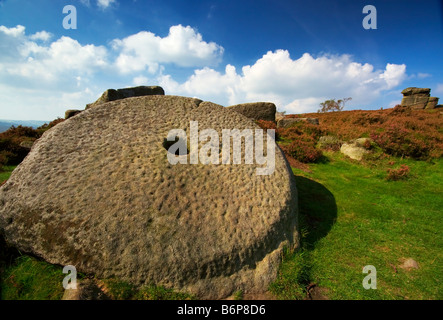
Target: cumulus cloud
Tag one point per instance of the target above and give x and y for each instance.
(183, 46)
(42, 35)
(50, 72)
(11, 39)
(294, 85)
(143, 51)
(64, 65)
(24, 60)
(39, 79)
(393, 75)
(207, 84)
(16, 32)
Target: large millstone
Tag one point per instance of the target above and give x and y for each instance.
(97, 192)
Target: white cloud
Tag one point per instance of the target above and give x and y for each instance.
(394, 75)
(24, 60)
(303, 105)
(16, 32)
(30, 64)
(64, 55)
(11, 39)
(37, 104)
(142, 51)
(422, 75)
(104, 3)
(40, 76)
(294, 85)
(86, 2)
(207, 84)
(42, 35)
(140, 81)
(183, 47)
(41, 80)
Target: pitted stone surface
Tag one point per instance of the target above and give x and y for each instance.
(98, 192)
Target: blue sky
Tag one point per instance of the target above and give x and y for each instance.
(293, 53)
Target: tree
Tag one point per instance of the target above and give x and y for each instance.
(332, 105)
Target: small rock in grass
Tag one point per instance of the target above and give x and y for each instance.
(409, 264)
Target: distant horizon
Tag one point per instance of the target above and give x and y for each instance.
(287, 113)
(28, 120)
(294, 53)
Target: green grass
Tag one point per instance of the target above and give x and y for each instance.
(30, 279)
(351, 216)
(161, 293)
(121, 290)
(238, 295)
(5, 173)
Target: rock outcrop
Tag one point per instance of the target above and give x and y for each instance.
(256, 110)
(329, 142)
(71, 113)
(432, 103)
(356, 149)
(279, 116)
(418, 98)
(27, 144)
(287, 122)
(409, 264)
(97, 192)
(113, 95)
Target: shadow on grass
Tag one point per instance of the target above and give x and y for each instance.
(323, 159)
(8, 255)
(317, 215)
(317, 211)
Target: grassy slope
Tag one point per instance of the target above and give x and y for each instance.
(352, 217)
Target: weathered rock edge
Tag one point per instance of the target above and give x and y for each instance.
(97, 192)
(124, 93)
(256, 110)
